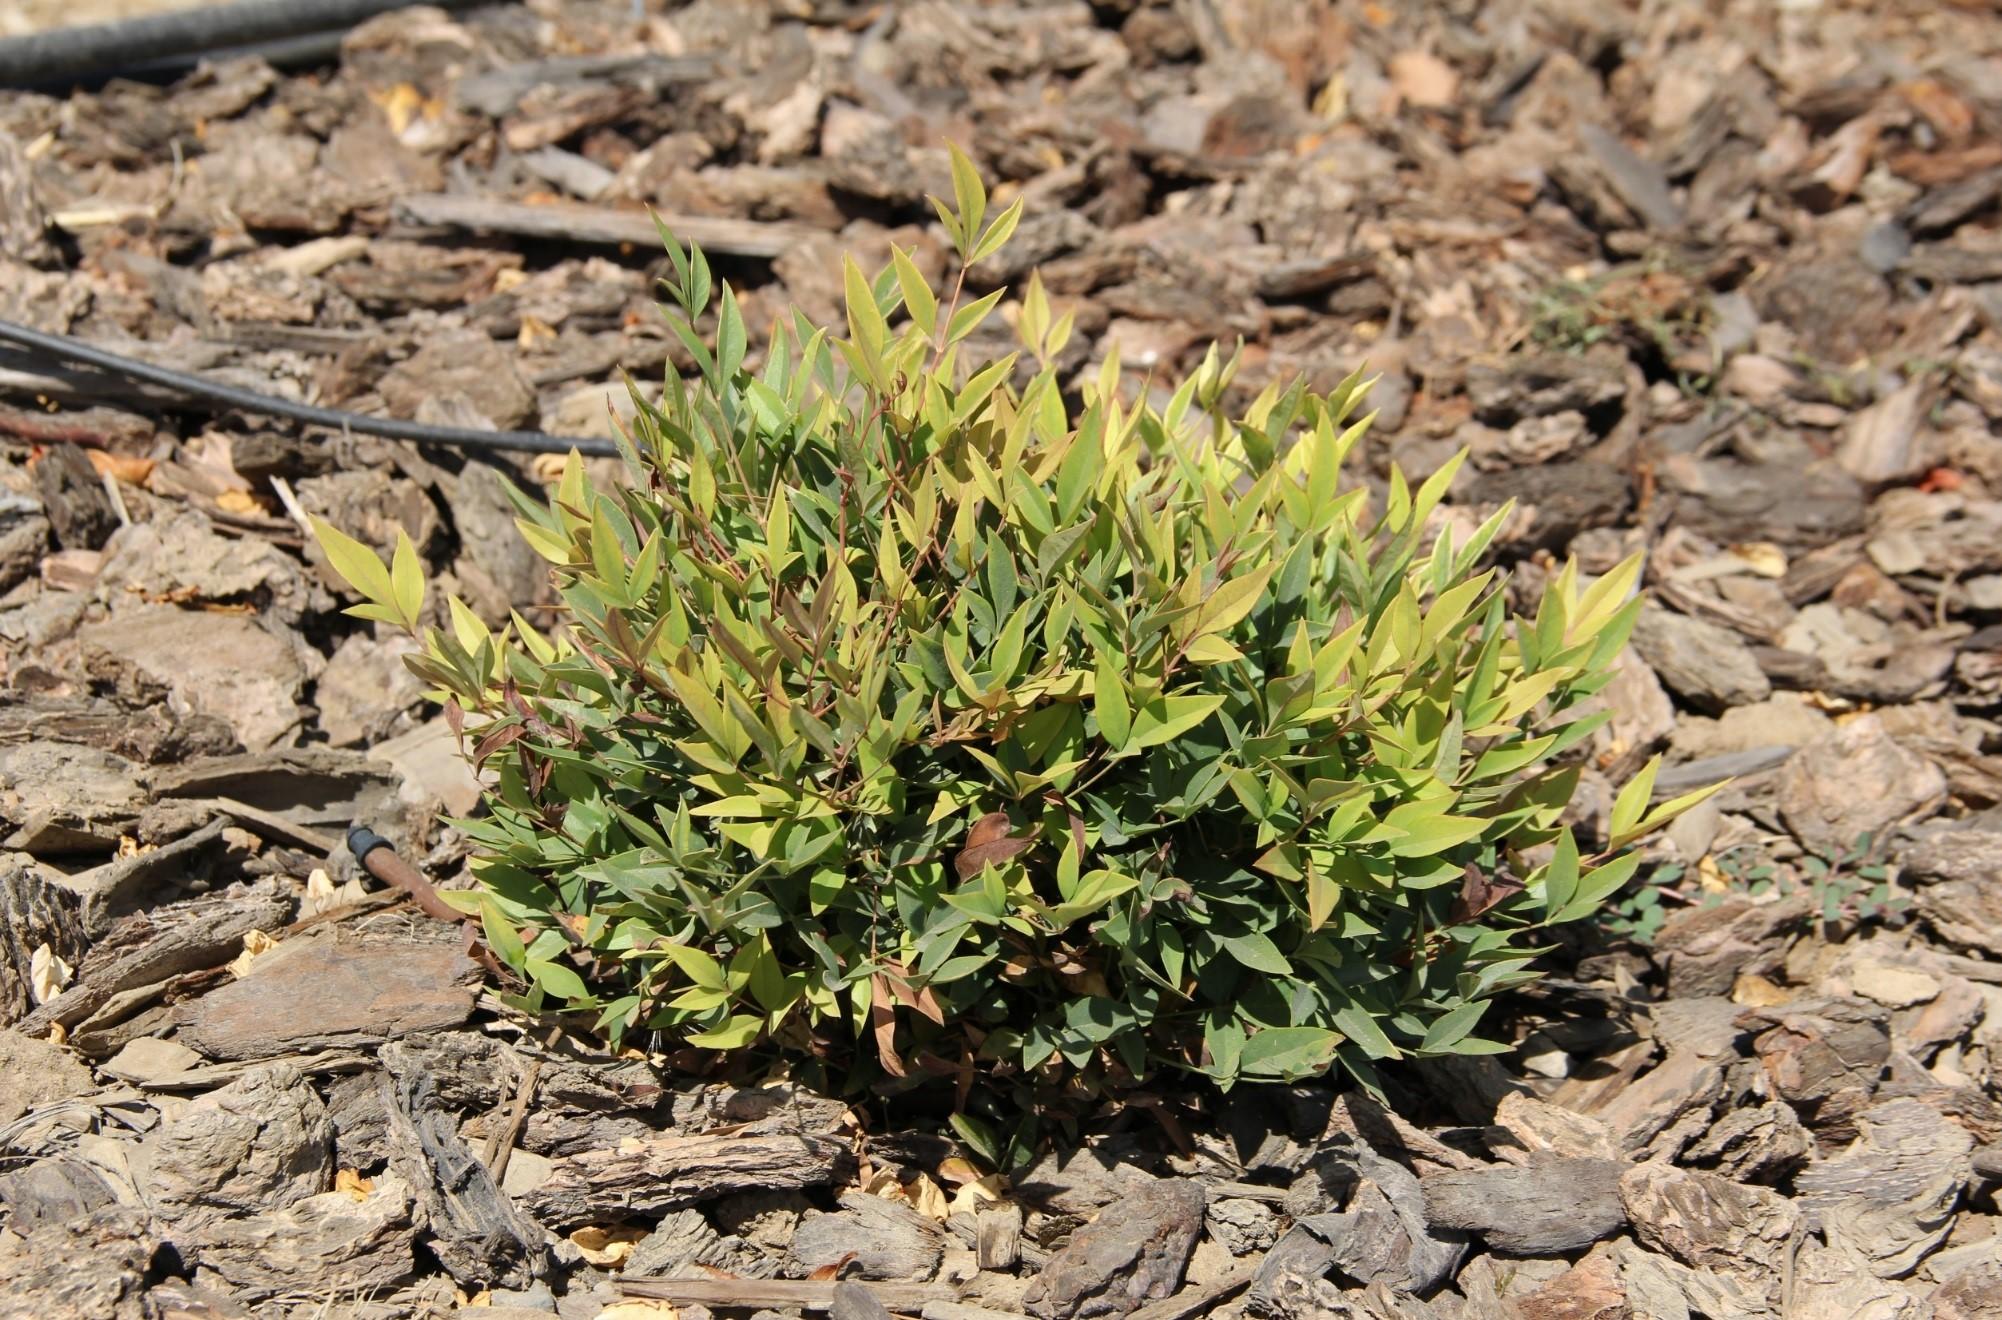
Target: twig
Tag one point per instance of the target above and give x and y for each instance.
(272, 826)
(110, 484)
(292, 505)
(805, 1294)
(573, 222)
(500, 1142)
(1196, 1301)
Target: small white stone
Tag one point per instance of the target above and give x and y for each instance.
(1539, 1056)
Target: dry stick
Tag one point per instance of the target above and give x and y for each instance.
(577, 223)
(500, 1142)
(292, 505)
(1196, 1301)
(376, 902)
(805, 1294)
(110, 484)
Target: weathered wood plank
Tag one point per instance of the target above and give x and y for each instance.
(578, 223)
(806, 1294)
(654, 1176)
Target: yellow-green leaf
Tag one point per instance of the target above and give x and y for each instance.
(697, 966)
(1231, 601)
(358, 565)
(1167, 718)
(919, 300)
(406, 580)
(1427, 835)
(969, 194)
(998, 233)
(557, 979)
(1633, 799)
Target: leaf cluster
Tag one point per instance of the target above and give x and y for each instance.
(918, 716)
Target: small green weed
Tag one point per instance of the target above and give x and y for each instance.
(1850, 888)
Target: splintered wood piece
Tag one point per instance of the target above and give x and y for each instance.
(1198, 1299)
(652, 1176)
(998, 1237)
(477, 1233)
(599, 224)
(806, 1294)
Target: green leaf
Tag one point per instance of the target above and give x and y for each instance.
(1223, 1042)
(978, 1137)
(697, 966)
(1450, 1027)
(740, 1030)
(1225, 607)
(1560, 878)
(1430, 835)
(1115, 716)
(865, 318)
(1598, 885)
(1355, 1022)
(501, 935)
(1633, 799)
(1288, 1053)
(1668, 811)
(966, 318)
(730, 337)
(1097, 889)
(558, 980)
(1257, 952)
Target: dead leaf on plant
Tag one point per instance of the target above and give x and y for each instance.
(993, 839)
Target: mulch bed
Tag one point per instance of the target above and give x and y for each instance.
(1723, 282)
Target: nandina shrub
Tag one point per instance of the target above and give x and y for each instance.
(910, 722)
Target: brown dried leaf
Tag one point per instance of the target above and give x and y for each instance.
(883, 1020)
(1480, 891)
(256, 944)
(607, 1246)
(1949, 115)
(927, 1198)
(131, 471)
(992, 840)
(48, 975)
(983, 1191)
(1424, 80)
(496, 739)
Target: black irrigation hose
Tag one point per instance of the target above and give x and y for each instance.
(303, 51)
(523, 442)
(44, 58)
